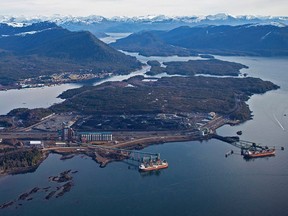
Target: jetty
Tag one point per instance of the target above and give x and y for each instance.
(248, 149)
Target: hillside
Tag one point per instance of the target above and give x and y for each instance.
(252, 40)
(43, 49)
(167, 95)
(150, 44)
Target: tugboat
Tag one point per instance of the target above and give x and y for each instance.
(153, 165)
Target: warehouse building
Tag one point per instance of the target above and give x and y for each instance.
(94, 136)
(36, 144)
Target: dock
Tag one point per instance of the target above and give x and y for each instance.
(248, 149)
(105, 154)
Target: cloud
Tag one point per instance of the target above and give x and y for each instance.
(139, 7)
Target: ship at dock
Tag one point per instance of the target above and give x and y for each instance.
(249, 149)
(152, 162)
(259, 153)
(153, 165)
(256, 151)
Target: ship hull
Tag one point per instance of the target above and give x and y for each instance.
(152, 167)
(268, 153)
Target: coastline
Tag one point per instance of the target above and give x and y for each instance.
(23, 170)
(93, 151)
(129, 140)
(137, 144)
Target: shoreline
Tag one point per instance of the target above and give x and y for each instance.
(128, 141)
(93, 151)
(24, 170)
(137, 144)
(90, 81)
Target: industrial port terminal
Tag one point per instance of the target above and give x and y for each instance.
(54, 134)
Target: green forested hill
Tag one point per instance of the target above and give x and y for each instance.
(55, 50)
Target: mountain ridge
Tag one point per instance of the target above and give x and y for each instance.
(249, 39)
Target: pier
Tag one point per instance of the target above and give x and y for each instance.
(133, 155)
(248, 149)
(235, 141)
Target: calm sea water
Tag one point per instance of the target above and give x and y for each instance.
(199, 180)
(32, 97)
(112, 37)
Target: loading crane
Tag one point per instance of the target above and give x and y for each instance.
(134, 155)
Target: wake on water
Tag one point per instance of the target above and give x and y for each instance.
(279, 123)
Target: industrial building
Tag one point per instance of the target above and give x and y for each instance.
(36, 144)
(94, 136)
(67, 132)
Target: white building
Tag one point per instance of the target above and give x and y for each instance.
(36, 144)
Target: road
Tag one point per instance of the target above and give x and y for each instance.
(29, 135)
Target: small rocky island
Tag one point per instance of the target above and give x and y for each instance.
(64, 181)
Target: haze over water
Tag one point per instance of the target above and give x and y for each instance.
(199, 180)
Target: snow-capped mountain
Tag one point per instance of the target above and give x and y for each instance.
(22, 29)
(97, 24)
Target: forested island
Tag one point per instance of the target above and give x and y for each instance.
(193, 67)
(225, 96)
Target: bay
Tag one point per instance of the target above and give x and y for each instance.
(113, 37)
(32, 97)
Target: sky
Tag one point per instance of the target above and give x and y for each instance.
(130, 8)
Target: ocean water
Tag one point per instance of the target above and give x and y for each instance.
(32, 97)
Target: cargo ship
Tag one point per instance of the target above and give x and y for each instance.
(150, 166)
(259, 153)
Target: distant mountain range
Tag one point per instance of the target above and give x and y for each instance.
(99, 24)
(249, 39)
(45, 48)
(31, 47)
